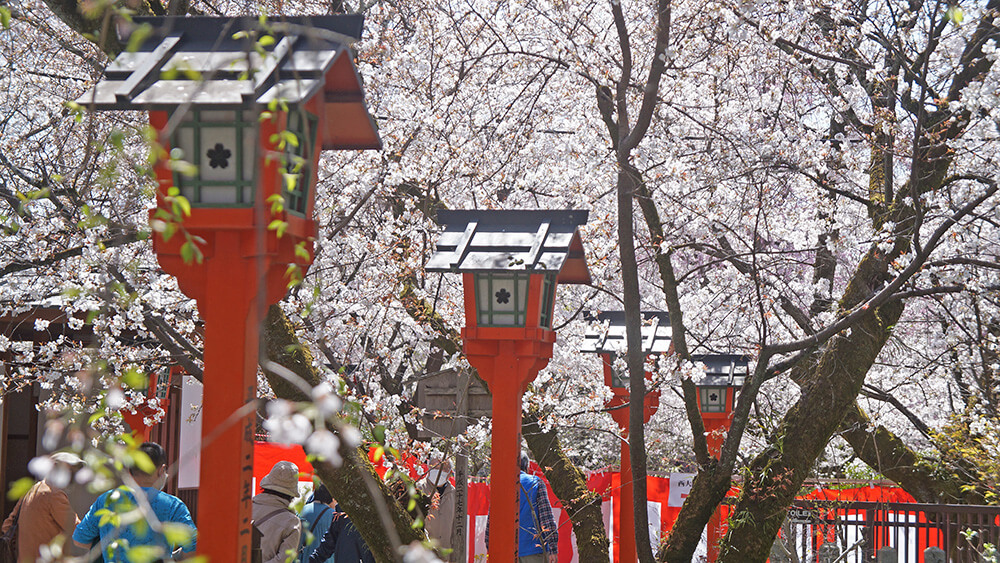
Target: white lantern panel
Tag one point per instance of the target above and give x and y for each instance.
(218, 155)
(501, 299)
(503, 294)
(504, 319)
(184, 140)
(218, 194)
(249, 153)
(713, 399)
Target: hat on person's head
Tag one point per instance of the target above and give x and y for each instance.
(439, 462)
(322, 494)
(68, 458)
(283, 478)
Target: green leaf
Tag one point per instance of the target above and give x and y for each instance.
(169, 231)
(135, 379)
(378, 453)
(277, 202)
(138, 37)
(278, 226)
(955, 15)
(20, 488)
(95, 417)
(301, 251)
(266, 41)
(142, 461)
(184, 204)
(4, 17)
(379, 433)
(177, 533)
(190, 252)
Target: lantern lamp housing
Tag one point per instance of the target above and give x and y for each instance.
(722, 373)
(511, 262)
(606, 335)
(502, 299)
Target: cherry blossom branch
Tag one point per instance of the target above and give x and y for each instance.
(19, 265)
(880, 298)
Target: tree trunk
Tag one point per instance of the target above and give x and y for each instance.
(884, 452)
(709, 488)
(582, 505)
(777, 473)
(382, 522)
(627, 184)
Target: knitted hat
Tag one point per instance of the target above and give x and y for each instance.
(283, 478)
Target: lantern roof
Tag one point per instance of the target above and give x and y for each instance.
(535, 241)
(723, 370)
(655, 332)
(220, 63)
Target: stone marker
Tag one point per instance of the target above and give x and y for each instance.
(828, 553)
(888, 555)
(934, 555)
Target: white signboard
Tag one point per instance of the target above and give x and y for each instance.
(680, 488)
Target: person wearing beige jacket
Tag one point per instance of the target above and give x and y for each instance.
(44, 512)
(439, 522)
(279, 526)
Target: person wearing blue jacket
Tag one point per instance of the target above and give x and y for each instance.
(316, 516)
(538, 537)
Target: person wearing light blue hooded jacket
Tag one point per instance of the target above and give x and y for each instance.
(316, 516)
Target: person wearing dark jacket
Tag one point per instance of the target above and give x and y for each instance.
(343, 541)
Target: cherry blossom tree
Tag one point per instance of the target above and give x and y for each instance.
(816, 188)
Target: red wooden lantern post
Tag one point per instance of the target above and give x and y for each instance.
(609, 341)
(724, 375)
(159, 388)
(511, 262)
(251, 200)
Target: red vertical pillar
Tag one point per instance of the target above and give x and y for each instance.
(507, 366)
(715, 426)
(504, 468)
(232, 327)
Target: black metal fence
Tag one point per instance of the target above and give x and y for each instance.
(856, 532)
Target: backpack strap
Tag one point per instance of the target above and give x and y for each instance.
(269, 515)
(313, 525)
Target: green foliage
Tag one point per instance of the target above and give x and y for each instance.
(970, 449)
(20, 488)
(138, 37)
(4, 17)
(955, 15)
